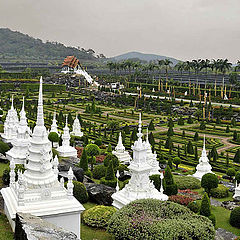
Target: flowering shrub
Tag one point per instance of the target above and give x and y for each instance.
(183, 200)
(98, 216)
(189, 193)
(79, 151)
(100, 158)
(150, 219)
(220, 192)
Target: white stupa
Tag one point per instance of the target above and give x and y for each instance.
(10, 125)
(237, 192)
(38, 190)
(77, 128)
(204, 166)
(139, 186)
(66, 150)
(19, 151)
(54, 126)
(152, 158)
(122, 155)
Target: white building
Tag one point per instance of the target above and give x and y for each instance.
(77, 128)
(139, 186)
(38, 190)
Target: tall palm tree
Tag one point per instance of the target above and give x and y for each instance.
(110, 66)
(180, 66)
(237, 67)
(188, 67)
(224, 67)
(167, 64)
(196, 65)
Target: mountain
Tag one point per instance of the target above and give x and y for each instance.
(142, 57)
(18, 46)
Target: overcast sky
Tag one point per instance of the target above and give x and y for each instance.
(184, 29)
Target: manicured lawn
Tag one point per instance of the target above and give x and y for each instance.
(222, 220)
(5, 229)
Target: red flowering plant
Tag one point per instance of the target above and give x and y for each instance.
(181, 199)
(79, 151)
(100, 158)
(189, 193)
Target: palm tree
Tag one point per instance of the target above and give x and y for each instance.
(180, 66)
(188, 67)
(224, 67)
(196, 65)
(167, 63)
(110, 66)
(237, 67)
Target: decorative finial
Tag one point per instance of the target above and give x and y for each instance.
(12, 102)
(117, 175)
(204, 142)
(23, 104)
(40, 119)
(70, 184)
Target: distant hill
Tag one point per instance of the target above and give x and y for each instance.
(142, 57)
(18, 46)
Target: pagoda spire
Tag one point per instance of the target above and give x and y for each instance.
(12, 104)
(140, 127)
(40, 119)
(204, 152)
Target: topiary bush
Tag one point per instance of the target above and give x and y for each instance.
(208, 182)
(170, 187)
(235, 217)
(4, 147)
(98, 216)
(187, 182)
(194, 206)
(153, 219)
(79, 191)
(99, 171)
(110, 183)
(220, 192)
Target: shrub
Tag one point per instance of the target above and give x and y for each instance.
(98, 142)
(187, 182)
(79, 191)
(122, 168)
(181, 199)
(3, 147)
(237, 176)
(209, 181)
(170, 187)
(154, 219)
(98, 216)
(110, 183)
(231, 172)
(205, 209)
(194, 206)
(88, 173)
(53, 137)
(110, 172)
(235, 217)
(156, 181)
(220, 192)
(113, 158)
(84, 161)
(212, 218)
(177, 161)
(99, 171)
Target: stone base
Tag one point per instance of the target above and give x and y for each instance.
(62, 211)
(67, 151)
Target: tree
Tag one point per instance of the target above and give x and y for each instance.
(169, 163)
(170, 185)
(196, 153)
(202, 126)
(205, 209)
(151, 126)
(53, 137)
(183, 134)
(214, 154)
(170, 132)
(179, 153)
(180, 121)
(237, 177)
(235, 135)
(84, 161)
(92, 150)
(190, 121)
(170, 123)
(126, 129)
(231, 173)
(227, 129)
(177, 161)
(191, 104)
(151, 139)
(109, 148)
(196, 137)
(133, 136)
(227, 160)
(110, 172)
(208, 182)
(190, 148)
(168, 143)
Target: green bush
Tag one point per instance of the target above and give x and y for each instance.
(110, 183)
(220, 192)
(237, 176)
(187, 182)
(79, 191)
(235, 217)
(156, 181)
(205, 209)
(113, 158)
(4, 147)
(212, 218)
(6, 173)
(209, 181)
(99, 171)
(153, 219)
(88, 173)
(194, 206)
(98, 216)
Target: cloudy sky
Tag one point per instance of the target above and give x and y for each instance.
(184, 29)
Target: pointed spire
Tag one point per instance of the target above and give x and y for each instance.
(66, 121)
(140, 127)
(204, 149)
(54, 116)
(23, 105)
(40, 119)
(147, 136)
(12, 104)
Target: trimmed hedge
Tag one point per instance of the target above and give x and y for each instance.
(79, 191)
(194, 206)
(235, 217)
(220, 192)
(98, 216)
(99, 171)
(187, 182)
(153, 219)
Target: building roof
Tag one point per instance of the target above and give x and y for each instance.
(70, 61)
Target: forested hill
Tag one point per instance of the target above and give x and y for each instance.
(19, 46)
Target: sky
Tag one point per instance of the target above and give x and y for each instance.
(183, 29)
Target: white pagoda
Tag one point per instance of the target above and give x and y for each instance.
(19, 151)
(76, 128)
(237, 192)
(10, 124)
(122, 155)
(139, 186)
(152, 158)
(204, 166)
(66, 150)
(38, 190)
(54, 126)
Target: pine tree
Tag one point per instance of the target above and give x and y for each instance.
(110, 172)
(183, 134)
(151, 126)
(233, 122)
(205, 209)
(84, 161)
(151, 139)
(190, 121)
(202, 126)
(235, 135)
(179, 153)
(170, 132)
(196, 137)
(170, 186)
(109, 148)
(236, 158)
(227, 160)
(227, 129)
(190, 147)
(133, 136)
(169, 163)
(126, 129)
(170, 123)
(196, 153)
(191, 104)
(168, 143)
(214, 154)
(180, 121)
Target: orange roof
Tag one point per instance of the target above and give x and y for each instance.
(70, 61)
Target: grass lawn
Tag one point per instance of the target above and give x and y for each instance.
(5, 229)
(222, 220)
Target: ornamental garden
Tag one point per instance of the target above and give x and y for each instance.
(176, 125)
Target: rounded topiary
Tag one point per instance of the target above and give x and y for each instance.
(235, 217)
(79, 191)
(99, 171)
(98, 216)
(187, 182)
(155, 219)
(113, 158)
(220, 192)
(209, 181)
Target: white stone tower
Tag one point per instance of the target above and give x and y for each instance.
(54, 126)
(139, 186)
(237, 191)
(77, 128)
(66, 150)
(204, 166)
(10, 124)
(122, 155)
(38, 190)
(19, 151)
